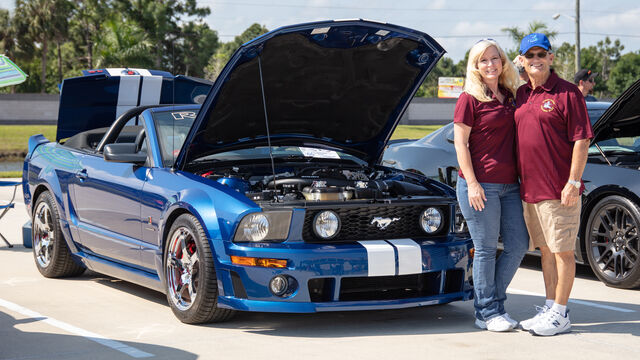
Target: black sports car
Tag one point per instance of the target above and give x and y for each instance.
(608, 239)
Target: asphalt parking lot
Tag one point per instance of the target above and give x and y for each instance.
(98, 317)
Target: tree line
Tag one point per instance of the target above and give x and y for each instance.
(616, 71)
(55, 39)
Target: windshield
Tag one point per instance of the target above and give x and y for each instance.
(629, 144)
(173, 127)
(281, 152)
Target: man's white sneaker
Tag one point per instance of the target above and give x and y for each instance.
(496, 324)
(527, 324)
(511, 320)
(552, 323)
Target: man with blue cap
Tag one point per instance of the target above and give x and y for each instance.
(552, 140)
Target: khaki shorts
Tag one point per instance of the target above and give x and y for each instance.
(552, 224)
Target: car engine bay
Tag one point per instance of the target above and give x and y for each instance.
(296, 183)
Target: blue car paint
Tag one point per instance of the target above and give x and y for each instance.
(150, 196)
(165, 191)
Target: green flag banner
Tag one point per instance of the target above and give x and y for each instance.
(10, 73)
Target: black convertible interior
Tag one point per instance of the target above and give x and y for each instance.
(89, 140)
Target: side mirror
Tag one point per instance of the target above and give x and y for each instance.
(125, 153)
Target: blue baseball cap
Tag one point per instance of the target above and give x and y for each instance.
(532, 40)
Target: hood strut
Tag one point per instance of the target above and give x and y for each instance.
(266, 120)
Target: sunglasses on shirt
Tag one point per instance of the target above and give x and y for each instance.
(540, 55)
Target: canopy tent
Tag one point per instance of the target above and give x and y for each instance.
(10, 73)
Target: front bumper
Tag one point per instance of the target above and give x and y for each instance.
(365, 275)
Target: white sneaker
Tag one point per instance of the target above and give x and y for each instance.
(527, 324)
(510, 320)
(496, 324)
(552, 323)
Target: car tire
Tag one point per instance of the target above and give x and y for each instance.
(50, 250)
(612, 241)
(190, 274)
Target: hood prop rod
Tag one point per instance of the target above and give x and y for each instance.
(266, 120)
(602, 153)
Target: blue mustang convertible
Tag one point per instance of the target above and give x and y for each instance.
(259, 192)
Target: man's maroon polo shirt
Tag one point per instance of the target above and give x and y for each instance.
(491, 141)
(549, 120)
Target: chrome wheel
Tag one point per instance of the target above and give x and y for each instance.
(191, 282)
(43, 234)
(613, 246)
(182, 262)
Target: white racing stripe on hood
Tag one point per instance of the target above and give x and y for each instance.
(409, 256)
(381, 257)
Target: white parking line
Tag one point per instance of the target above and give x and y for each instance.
(116, 345)
(581, 302)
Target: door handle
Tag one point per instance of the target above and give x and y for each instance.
(82, 174)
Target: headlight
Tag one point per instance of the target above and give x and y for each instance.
(326, 224)
(256, 227)
(264, 226)
(431, 220)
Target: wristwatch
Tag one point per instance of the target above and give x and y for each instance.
(575, 183)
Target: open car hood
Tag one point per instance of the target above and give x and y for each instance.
(622, 118)
(334, 84)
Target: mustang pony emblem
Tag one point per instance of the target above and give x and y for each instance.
(382, 223)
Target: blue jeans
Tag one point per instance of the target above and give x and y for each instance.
(502, 215)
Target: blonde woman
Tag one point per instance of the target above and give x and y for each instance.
(488, 189)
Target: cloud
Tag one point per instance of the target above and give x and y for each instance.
(474, 28)
(617, 23)
(547, 5)
(438, 4)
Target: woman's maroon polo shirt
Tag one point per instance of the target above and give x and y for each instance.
(549, 120)
(491, 141)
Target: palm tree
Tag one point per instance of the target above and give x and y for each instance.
(88, 16)
(44, 20)
(7, 36)
(534, 27)
(123, 45)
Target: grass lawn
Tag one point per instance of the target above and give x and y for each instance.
(13, 139)
(413, 131)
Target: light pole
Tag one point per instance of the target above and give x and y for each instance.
(576, 19)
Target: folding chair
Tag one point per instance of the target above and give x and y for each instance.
(5, 208)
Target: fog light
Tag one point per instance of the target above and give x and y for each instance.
(431, 220)
(279, 285)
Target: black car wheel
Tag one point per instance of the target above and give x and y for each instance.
(50, 251)
(613, 242)
(192, 287)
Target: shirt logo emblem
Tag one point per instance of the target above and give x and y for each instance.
(382, 223)
(548, 105)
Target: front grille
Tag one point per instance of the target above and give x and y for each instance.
(356, 223)
(453, 281)
(390, 287)
(371, 288)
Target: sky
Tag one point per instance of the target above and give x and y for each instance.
(456, 25)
